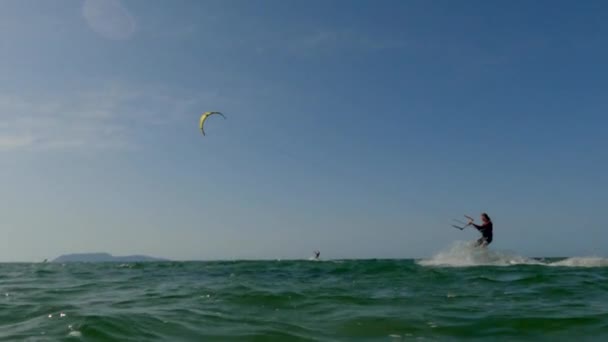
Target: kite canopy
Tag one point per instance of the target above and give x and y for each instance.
(204, 117)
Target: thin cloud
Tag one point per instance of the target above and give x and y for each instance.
(11, 142)
(101, 118)
(329, 41)
(109, 18)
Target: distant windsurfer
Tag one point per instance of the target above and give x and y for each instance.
(485, 229)
(317, 254)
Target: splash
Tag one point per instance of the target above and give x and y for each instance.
(464, 253)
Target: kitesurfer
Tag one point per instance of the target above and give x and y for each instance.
(485, 229)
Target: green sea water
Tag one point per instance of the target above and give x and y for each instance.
(461, 294)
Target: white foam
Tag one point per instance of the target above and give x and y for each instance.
(75, 334)
(464, 253)
(581, 262)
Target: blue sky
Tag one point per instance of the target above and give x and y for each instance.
(358, 128)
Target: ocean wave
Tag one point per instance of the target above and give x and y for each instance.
(299, 300)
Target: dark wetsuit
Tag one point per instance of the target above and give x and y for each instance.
(486, 233)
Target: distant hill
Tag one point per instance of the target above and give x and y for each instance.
(104, 257)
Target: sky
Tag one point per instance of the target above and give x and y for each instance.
(358, 128)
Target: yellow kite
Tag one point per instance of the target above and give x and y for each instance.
(205, 116)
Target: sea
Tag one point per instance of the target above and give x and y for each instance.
(460, 294)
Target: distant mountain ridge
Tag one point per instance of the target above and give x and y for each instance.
(104, 257)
